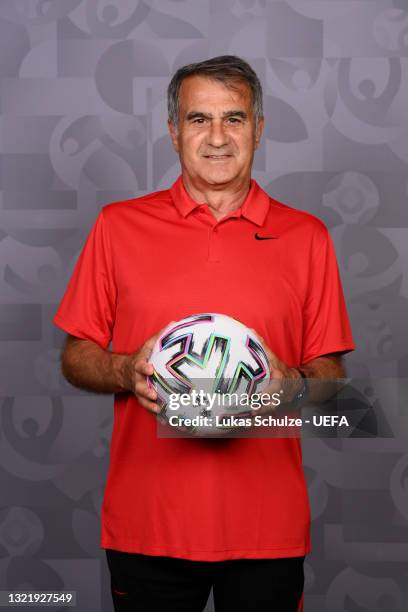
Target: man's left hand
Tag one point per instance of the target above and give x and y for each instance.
(285, 381)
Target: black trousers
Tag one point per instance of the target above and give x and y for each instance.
(144, 583)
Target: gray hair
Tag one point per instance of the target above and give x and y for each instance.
(224, 68)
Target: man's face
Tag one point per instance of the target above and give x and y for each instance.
(216, 135)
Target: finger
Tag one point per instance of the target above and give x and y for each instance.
(147, 348)
(152, 341)
(274, 386)
(143, 389)
(272, 358)
(263, 411)
(159, 333)
(150, 406)
(258, 336)
(260, 410)
(261, 340)
(271, 399)
(143, 368)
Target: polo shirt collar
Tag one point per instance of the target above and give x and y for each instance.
(254, 208)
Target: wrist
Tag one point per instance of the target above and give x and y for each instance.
(301, 395)
(120, 371)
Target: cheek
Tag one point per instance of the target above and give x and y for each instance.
(244, 140)
(245, 146)
(191, 144)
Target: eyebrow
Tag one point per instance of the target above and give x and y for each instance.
(231, 113)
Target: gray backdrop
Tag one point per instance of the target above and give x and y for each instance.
(83, 118)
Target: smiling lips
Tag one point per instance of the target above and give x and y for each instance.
(217, 157)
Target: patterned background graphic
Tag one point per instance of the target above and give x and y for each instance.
(83, 123)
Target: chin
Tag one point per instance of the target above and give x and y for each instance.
(220, 180)
(219, 177)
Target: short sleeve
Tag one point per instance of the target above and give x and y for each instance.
(326, 326)
(87, 309)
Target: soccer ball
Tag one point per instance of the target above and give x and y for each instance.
(207, 366)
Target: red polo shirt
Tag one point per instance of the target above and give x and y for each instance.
(162, 257)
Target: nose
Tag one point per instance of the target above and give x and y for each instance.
(217, 135)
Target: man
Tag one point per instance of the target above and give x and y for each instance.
(183, 515)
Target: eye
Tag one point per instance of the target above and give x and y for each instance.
(234, 120)
(199, 120)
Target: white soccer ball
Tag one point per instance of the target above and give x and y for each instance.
(207, 366)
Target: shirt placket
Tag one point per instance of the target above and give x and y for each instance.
(215, 233)
(214, 238)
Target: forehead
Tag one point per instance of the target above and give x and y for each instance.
(199, 93)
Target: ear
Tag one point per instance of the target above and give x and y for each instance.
(259, 130)
(173, 135)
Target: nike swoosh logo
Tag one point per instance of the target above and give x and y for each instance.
(257, 237)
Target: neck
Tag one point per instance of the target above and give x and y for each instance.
(220, 199)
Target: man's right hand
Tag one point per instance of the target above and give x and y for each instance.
(88, 366)
(136, 368)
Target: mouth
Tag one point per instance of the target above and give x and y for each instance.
(217, 157)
